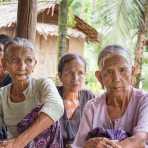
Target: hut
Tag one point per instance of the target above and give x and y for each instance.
(46, 37)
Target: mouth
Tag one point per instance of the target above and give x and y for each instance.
(116, 88)
(20, 74)
(75, 85)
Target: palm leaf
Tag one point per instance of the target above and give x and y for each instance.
(118, 18)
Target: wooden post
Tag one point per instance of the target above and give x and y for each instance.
(62, 40)
(26, 19)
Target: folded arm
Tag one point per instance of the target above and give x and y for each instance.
(41, 123)
(136, 141)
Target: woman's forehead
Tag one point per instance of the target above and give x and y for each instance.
(114, 60)
(74, 63)
(16, 51)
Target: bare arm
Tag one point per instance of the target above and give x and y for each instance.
(136, 141)
(42, 122)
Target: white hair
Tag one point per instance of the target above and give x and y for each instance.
(111, 50)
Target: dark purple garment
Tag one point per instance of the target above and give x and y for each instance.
(70, 127)
(50, 138)
(112, 134)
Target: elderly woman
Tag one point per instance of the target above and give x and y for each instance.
(72, 70)
(120, 113)
(24, 94)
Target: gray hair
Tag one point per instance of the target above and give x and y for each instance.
(111, 50)
(18, 42)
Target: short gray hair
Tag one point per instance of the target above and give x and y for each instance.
(111, 50)
(19, 42)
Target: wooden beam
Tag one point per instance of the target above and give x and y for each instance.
(26, 19)
(146, 42)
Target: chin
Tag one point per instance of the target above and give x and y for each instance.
(23, 78)
(118, 93)
(75, 89)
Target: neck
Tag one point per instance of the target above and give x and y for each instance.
(19, 86)
(119, 101)
(70, 94)
(16, 93)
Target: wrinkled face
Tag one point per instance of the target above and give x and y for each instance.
(73, 75)
(20, 63)
(116, 75)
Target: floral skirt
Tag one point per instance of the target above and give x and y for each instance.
(50, 138)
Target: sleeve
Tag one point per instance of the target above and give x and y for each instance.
(52, 101)
(85, 127)
(142, 123)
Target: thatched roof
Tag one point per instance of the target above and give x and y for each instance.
(52, 30)
(80, 25)
(47, 24)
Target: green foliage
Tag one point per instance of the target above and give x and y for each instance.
(92, 83)
(146, 49)
(117, 20)
(145, 77)
(4, 1)
(91, 55)
(145, 57)
(71, 21)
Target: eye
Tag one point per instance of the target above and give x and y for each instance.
(65, 72)
(109, 71)
(123, 69)
(15, 60)
(81, 73)
(29, 60)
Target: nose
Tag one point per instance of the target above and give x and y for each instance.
(22, 65)
(116, 76)
(75, 77)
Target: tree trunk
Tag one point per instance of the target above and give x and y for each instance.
(62, 40)
(138, 58)
(140, 47)
(26, 19)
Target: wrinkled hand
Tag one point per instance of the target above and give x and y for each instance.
(101, 142)
(10, 143)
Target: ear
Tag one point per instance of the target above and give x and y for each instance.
(99, 77)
